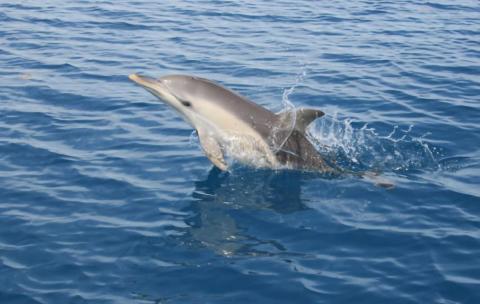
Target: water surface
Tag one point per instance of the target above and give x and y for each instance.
(106, 197)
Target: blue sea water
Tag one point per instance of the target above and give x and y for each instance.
(106, 197)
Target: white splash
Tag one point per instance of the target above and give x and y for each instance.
(282, 132)
(366, 148)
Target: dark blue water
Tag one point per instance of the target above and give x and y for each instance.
(106, 197)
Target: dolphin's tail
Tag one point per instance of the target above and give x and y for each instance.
(373, 177)
(377, 179)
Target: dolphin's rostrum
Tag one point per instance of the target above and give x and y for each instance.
(231, 125)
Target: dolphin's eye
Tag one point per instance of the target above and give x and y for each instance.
(186, 103)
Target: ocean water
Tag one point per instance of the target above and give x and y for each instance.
(106, 197)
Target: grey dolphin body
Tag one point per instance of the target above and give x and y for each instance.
(231, 125)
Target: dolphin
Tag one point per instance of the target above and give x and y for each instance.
(231, 126)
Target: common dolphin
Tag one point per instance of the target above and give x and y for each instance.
(230, 125)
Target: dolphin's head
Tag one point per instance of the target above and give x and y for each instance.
(208, 105)
(173, 90)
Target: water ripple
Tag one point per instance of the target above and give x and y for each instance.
(107, 198)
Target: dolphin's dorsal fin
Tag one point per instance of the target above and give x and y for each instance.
(212, 149)
(302, 117)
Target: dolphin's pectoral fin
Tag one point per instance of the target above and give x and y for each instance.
(212, 149)
(301, 117)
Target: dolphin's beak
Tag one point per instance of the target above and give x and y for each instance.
(144, 81)
(154, 86)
